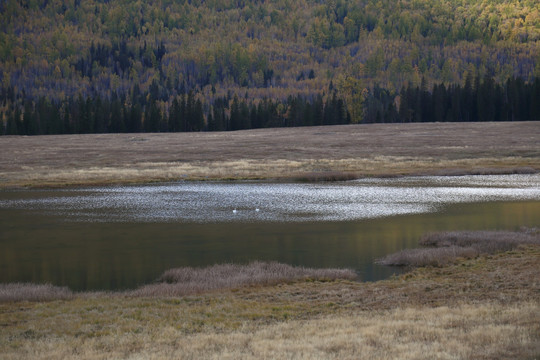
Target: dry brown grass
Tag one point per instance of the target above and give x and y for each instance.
(292, 153)
(33, 292)
(483, 308)
(443, 248)
(188, 280)
(469, 331)
(428, 257)
(485, 242)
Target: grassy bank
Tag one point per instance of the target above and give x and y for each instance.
(486, 307)
(303, 154)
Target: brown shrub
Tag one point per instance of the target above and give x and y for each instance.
(33, 292)
(188, 280)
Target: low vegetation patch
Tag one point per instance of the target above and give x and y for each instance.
(33, 292)
(188, 280)
(427, 257)
(442, 248)
(319, 176)
(509, 170)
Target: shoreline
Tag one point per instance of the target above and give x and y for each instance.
(334, 176)
(436, 250)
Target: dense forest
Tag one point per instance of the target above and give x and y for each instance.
(190, 65)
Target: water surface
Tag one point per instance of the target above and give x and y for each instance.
(121, 237)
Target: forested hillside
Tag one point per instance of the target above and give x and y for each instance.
(190, 65)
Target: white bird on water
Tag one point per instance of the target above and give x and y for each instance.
(234, 211)
(257, 209)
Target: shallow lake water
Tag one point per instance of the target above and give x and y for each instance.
(122, 237)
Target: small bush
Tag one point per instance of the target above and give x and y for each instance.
(188, 280)
(33, 292)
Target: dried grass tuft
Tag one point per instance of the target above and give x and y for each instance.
(188, 280)
(33, 292)
(444, 248)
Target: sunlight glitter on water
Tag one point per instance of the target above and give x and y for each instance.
(215, 202)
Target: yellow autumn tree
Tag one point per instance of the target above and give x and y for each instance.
(351, 90)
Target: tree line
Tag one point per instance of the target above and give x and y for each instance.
(477, 100)
(144, 112)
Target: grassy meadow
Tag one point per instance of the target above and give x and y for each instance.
(299, 154)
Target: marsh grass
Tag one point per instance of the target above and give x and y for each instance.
(33, 292)
(427, 257)
(485, 242)
(188, 280)
(442, 248)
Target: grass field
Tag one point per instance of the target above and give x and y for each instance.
(313, 153)
(482, 308)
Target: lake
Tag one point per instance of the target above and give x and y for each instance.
(123, 236)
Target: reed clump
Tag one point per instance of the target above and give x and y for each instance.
(484, 242)
(33, 292)
(189, 280)
(427, 257)
(443, 248)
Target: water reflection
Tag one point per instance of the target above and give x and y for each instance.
(111, 238)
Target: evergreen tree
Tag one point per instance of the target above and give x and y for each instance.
(175, 116)
(318, 111)
(30, 122)
(152, 117)
(235, 121)
(13, 122)
(135, 117)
